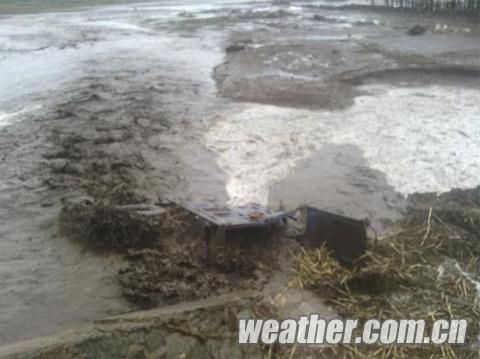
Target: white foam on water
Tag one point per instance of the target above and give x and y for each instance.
(36, 58)
(341, 3)
(425, 139)
(193, 7)
(7, 118)
(261, 144)
(42, 55)
(115, 25)
(33, 72)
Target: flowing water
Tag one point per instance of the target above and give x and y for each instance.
(396, 138)
(427, 142)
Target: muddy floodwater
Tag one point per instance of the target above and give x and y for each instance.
(231, 101)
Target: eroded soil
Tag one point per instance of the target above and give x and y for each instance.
(152, 105)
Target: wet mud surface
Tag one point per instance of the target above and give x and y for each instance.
(133, 104)
(343, 184)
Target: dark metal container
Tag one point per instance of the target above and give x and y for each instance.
(345, 237)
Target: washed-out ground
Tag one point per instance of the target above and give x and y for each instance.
(427, 267)
(342, 110)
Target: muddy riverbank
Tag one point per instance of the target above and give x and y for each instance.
(439, 235)
(145, 101)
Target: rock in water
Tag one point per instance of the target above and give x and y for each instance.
(416, 30)
(235, 48)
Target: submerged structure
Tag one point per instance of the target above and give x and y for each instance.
(345, 237)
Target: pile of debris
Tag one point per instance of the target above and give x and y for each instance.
(101, 224)
(210, 250)
(173, 272)
(176, 252)
(424, 269)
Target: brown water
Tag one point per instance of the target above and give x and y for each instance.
(146, 75)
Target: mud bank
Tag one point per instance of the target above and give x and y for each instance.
(439, 235)
(317, 78)
(336, 187)
(305, 65)
(114, 130)
(127, 105)
(202, 329)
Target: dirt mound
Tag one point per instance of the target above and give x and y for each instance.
(178, 269)
(165, 252)
(103, 225)
(460, 208)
